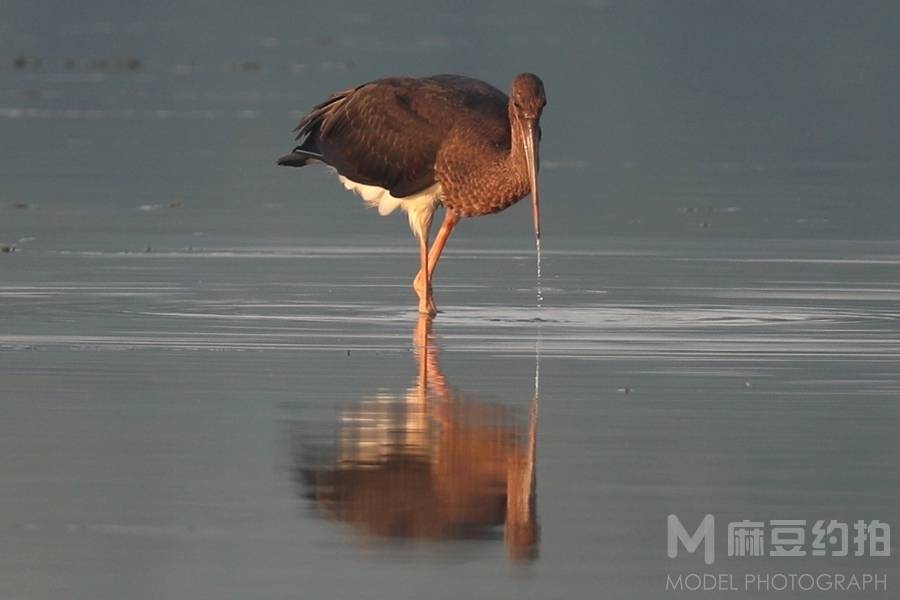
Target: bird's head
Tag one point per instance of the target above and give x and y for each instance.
(527, 96)
(527, 100)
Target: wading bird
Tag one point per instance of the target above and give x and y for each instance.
(421, 143)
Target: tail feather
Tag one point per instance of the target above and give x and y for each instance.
(318, 113)
(308, 131)
(298, 158)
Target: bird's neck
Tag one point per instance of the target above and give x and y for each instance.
(517, 131)
(516, 161)
(486, 178)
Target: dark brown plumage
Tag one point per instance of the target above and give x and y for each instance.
(419, 143)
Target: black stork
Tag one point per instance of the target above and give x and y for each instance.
(419, 143)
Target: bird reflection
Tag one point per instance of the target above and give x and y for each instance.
(431, 464)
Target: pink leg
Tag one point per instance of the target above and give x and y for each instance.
(450, 220)
(422, 284)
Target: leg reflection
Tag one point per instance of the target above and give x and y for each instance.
(432, 463)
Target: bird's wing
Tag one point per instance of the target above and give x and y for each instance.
(388, 132)
(376, 137)
(477, 106)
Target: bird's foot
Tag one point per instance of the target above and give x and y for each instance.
(427, 309)
(426, 297)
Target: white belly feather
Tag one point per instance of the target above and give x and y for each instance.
(419, 207)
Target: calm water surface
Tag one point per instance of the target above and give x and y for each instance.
(213, 382)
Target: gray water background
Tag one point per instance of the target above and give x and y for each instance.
(719, 332)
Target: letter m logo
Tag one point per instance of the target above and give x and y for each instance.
(705, 533)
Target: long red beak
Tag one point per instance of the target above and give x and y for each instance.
(530, 141)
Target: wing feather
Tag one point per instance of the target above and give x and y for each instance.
(388, 132)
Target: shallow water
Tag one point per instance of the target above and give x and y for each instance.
(214, 381)
(162, 409)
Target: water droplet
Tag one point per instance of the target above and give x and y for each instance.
(540, 293)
